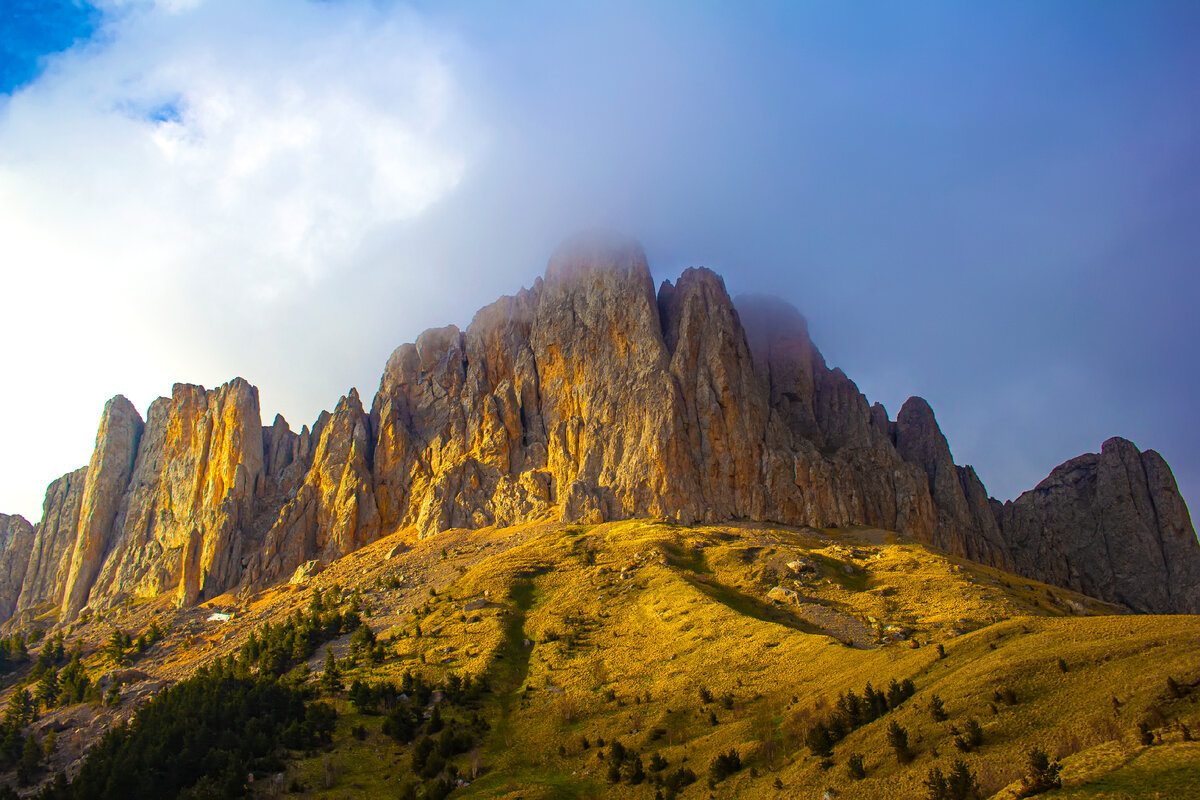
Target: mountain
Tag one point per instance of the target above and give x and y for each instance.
(589, 397)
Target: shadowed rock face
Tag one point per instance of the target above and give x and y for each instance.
(45, 575)
(16, 542)
(1111, 525)
(965, 523)
(587, 397)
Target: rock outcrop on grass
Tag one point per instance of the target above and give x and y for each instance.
(588, 397)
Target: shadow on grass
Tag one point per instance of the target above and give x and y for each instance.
(749, 606)
(856, 581)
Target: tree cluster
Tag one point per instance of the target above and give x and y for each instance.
(960, 784)
(276, 649)
(853, 711)
(210, 731)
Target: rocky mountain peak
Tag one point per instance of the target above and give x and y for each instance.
(588, 397)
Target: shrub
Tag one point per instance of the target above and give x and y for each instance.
(970, 738)
(854, 765)
(725, 765)
(678, 779)
(819, 741)
(1042, 775)
(632, 771)
(1145, 734)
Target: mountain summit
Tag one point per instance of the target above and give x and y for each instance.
(586, 398)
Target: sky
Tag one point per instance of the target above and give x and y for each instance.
(993, 205)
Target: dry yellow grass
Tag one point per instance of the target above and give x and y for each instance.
(611, 631)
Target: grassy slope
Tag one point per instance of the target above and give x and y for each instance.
(650, 613)
(643, 609)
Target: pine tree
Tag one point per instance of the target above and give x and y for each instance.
(331, 679)
(961, 782)
(937, 710)
(20, 709)
(115, 649)
(47, 689)
(898, 739)
(31, 761)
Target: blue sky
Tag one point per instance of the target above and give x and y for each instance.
(991, 205)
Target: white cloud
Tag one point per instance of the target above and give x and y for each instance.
(190, 175)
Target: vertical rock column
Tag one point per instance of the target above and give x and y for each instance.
(16, 542)
(107, 477)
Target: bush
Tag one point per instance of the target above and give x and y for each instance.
(1042, 775)
(678, 779)
(854, 765)
(632, 770)
(819, 741)
(1145, 735)
(725, 765)
(970, 738)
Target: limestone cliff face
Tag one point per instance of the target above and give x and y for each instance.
(333, 511)
(828, 457)
(587, 397)
(16, 542)
(107, 476)
(1111, 525)
(53, 543)
(182, 524)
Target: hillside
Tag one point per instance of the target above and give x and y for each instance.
(666, 638)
